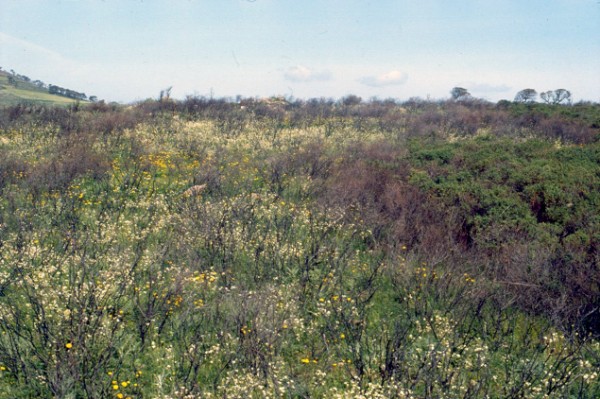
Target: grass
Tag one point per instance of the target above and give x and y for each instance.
(333, 258)
(13, 96)
(28, 93)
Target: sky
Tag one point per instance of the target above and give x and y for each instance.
(130, 50)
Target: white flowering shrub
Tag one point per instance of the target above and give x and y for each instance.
(121, 286)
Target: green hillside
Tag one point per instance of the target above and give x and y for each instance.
(15, 91)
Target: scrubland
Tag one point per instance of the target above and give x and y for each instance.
(336, 250)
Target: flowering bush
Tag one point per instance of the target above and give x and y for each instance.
(323, 257)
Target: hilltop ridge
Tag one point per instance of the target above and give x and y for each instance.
(16, 88)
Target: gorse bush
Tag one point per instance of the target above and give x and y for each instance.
(335, 249)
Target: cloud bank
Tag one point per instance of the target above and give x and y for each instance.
(391, 78)
(301, 73)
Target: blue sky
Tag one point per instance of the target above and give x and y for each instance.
(127, 50)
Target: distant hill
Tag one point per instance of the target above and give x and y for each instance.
(16, 89)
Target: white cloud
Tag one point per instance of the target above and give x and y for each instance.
(391, 78)
(301, 73)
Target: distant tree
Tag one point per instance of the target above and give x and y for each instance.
(165, 95)
(61, 91)
(526, 96)
(93, 99)
(562, 95)
(503, 104)
(547, 96)
(351, 99)
(556, 97)
(459, 93)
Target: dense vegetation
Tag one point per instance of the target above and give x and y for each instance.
(329, 249)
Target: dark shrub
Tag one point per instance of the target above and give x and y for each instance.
(75, 159)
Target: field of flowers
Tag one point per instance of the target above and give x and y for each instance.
(330, 257)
